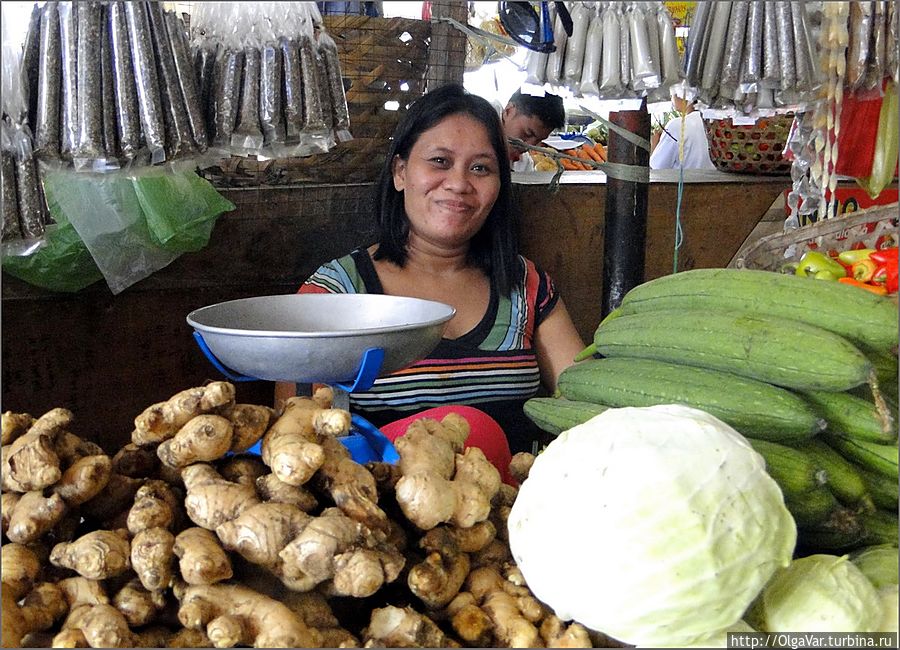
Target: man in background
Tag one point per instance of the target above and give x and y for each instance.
(696, 144)
(530, 119)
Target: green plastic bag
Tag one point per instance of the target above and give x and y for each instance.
(181, 209)
(61, 263)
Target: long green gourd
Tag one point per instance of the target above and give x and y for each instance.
(867, 320)
(786, 353)
(752, 407)
(555, 415)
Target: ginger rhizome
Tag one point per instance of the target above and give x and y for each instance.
(181, 538)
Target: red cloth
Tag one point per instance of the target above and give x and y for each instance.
(859, 133)
(484, 433)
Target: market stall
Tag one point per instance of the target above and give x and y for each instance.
(720, 461)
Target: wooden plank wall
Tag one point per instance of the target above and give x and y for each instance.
(108, 357)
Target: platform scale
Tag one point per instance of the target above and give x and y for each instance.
(343, 340)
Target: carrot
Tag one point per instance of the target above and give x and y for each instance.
(571, 165)
(600, 150)
(592, 153)
(874, 288)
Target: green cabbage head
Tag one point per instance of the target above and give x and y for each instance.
(879, 563)
(818, 593)
(657, 526)
(890, 609)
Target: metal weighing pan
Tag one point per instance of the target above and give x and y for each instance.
(320, 338)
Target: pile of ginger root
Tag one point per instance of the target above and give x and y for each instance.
(184, 539)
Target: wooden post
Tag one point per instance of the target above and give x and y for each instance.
(625, 229)
(447, 50)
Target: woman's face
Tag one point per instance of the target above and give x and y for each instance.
(450, 182)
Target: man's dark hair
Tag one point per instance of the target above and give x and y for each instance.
(494, 249)
(548, 109)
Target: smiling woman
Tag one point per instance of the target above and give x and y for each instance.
(447, 232)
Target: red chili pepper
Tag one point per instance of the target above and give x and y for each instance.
(874, 288)
(886, 274)
(884, 255)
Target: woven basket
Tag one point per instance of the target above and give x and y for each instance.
(750, 149)
(872, 228)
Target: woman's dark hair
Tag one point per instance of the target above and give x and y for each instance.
(494, 248)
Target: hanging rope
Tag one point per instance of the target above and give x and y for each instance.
(679, 232)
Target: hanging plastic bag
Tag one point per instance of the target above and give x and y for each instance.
(884, 162)
(60, 263)
(590, 71)
(181, 209)
(575, 46)
(109, 216)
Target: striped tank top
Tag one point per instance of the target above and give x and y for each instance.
(493, 367)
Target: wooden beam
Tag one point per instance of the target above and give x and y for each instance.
(447, 50)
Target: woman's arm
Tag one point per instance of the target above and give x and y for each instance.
(556, 343)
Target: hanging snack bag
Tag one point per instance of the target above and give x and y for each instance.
(575, 46)
(593, 54)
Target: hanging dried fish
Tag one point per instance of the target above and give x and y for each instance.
(229, 70)
(108, 82)
(247, 133)
(751, 68)
(89, 142)
(858, 47)
(32, 209)
(128, 117)
(31, 54)
(146, 79)
(68, 31)
(692, 64)
(271, 115)
(187, 79)
(179, 141)
(715, 47)
(734, 44)
(771, 72)
(10, 200)
(46, 133)
(329, 53)
(313, 116)
(786, 45)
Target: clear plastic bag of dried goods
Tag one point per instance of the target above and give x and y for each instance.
(269, 78)
(111, 85)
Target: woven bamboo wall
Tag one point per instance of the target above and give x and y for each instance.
(382, 60)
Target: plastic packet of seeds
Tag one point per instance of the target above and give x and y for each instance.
(328, 52)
